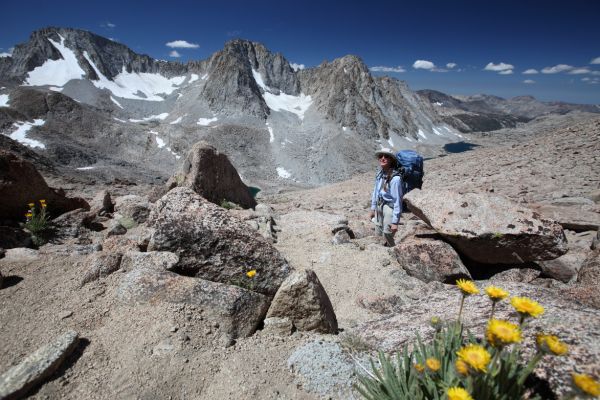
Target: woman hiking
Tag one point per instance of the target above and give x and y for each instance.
(386, 200)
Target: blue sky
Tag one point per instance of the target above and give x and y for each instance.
(491, 44)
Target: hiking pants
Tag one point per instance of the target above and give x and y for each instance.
(382, 223)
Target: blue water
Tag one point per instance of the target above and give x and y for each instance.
(459, 147)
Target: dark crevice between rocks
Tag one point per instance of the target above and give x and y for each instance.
(480, 271)
(540, 387)
(10, 280)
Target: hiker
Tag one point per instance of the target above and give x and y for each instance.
(386, 200)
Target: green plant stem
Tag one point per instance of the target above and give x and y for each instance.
(530, 366)
(493, 308)
(462, 302)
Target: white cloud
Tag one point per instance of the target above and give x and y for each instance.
(529, 81)
(556, 69)
(7, 53)
(595, 61)
(424, 64)
(506, 72)
(297, 67)
(531, 71)
(382, 68)
(499, 67)
(450, 65)
(579, 71)
(174, 53)
(108, 25)
(182, 44)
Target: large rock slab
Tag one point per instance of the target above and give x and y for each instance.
(429, 260)
(210, 174)
(212, 244)
(237, 311)
(21, 184)
(576, 325)
(577, 217)
(36, 367)
(302, 299)
(489, 229)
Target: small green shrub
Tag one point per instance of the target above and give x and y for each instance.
(227, 205)
(245, 281)
(127, 222)
(37, 222)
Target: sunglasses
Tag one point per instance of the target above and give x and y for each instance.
(384, 156)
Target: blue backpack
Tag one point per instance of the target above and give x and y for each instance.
(412, 169)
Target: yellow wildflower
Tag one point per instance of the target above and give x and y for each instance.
(527, 307)
(551, 344)
(496, 293)
(467, 287)
(31, 205)
(500, 333)
(475, 356)
(458, 393)
(419, 367)
(462, 367)
(42, 201)
(433, 364)
(586, 384)
(28, 215)
(250, 274)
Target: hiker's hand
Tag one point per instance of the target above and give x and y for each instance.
(394, 228)
(371, 214)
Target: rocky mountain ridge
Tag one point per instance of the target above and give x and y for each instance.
(312, 126)
(481, 113)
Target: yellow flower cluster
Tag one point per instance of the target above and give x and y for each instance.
(586, 384)
(496, 293)
(475, 356)
(458, 393)
(467, 287)
(500, 333)
(250, 274)
(551, 344)
(433, 364)
(527, 307)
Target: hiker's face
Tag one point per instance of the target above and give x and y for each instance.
(384, 160)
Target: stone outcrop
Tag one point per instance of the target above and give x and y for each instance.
(21, 184)
(303, 300)
(237, 311)
(210, 174)
(430, 260)
(489, 229)
(212, 244)
(577, 216)
(36, 367)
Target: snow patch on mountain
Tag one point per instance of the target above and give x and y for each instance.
(161, 117)
(3, 100)
(178, 120)
(271, 135)
(206, 121)
(193, 78)
(283, 102)
(20, 135)
(116, 102)
(56, 72)
(283, 173)
(137, 86)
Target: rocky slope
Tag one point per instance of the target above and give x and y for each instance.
(171, 347)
